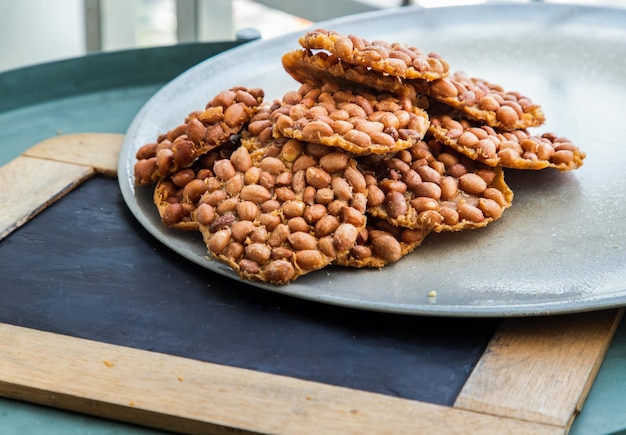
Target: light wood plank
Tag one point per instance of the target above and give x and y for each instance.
(180, 394)
(540, 369)
(29, 185)
(97, 150)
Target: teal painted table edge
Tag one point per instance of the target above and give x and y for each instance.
(101, 71)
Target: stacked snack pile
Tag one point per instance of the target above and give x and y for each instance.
(380, 145)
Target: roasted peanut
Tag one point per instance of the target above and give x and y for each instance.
(334, 162)
(182, 177)
(247, 210)
(472, 183)
(272, 165)
(428, 189)
(421, 204)
(345, 237)
(259, 235)
(309, 259)
(241, 229)
(314, 213)
(355, 178)
(269, 220)
(387, 247)
(214, 198)
(314, 131)
(241, 160)
(255, 193)
(395, 204)
(301, 240)
(303, 162)
(490, 208)
(375, 196)
(280, 271)
(228, 205)
(359, 138)
(173, 214)
(341, 188)
(326, 225)
(224, 169)
(194, 190)
(324, 196)
(353, 216)
(293, 208)
(219, 241)
(258, 252)
(317, 177)
(235, 114)
(470, 213)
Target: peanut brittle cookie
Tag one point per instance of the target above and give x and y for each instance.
(380, 243)
(355, 121)
(276, 215)
(513, 149)
(225, 115)
(320, 68)
(433, 187)
(484, 101)
(395, 59)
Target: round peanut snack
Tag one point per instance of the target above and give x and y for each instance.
(356, 121)
(432, 187)
(484, 101)
(225, 115)
(282, 211)
(512, 149)
(320, 68)
(394, 59)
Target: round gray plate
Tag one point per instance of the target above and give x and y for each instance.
(559, 248)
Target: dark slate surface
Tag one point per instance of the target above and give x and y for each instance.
(85, 267)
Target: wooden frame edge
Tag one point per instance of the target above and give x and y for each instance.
(564, 347)
(49, 170)
(189, 396)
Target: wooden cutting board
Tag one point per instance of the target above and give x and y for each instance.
(532, 378)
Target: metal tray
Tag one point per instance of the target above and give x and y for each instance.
(559, 248)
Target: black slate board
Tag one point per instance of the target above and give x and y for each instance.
(84, 267)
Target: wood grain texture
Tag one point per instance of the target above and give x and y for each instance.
(540, 369)
(29, 185)
(50, 169)
(185, 395)
(97, 150)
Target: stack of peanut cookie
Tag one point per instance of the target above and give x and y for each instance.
(380, 145)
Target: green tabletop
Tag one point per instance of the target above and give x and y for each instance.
(102, 93)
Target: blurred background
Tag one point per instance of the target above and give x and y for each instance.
(36, 31)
